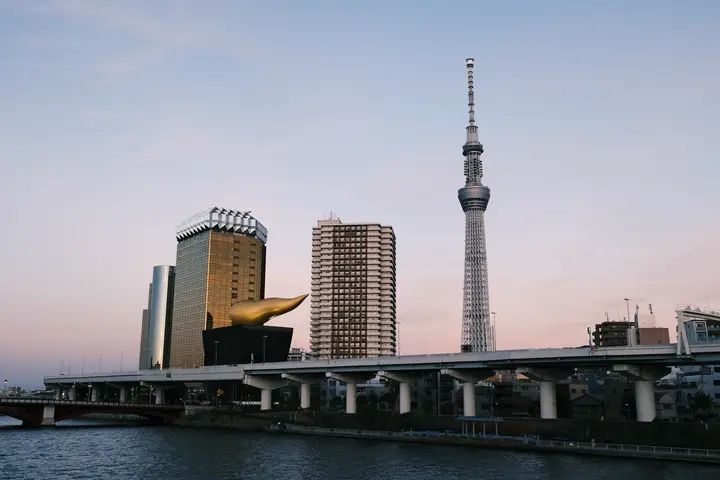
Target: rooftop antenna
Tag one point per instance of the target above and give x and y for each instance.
(607, 317)
(650, 306)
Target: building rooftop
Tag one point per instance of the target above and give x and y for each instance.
(222, 219)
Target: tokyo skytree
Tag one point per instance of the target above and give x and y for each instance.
(477, 334)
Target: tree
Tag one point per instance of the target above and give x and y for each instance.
(702, 402)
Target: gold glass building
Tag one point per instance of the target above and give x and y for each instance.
(220, 261)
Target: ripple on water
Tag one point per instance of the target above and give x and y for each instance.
(178, 454)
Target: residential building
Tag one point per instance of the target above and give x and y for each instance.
(299, 355)
(611, 334)
(353, 301)
(220, 261)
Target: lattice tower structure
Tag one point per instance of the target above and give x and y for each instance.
(477, 334)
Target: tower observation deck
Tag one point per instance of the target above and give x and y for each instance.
(477, 334)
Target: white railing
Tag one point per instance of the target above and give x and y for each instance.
(581, 447)
(4, 401)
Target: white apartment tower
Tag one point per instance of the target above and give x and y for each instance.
(352, 299)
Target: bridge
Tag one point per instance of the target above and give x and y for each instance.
(36, 412)
(642, 364)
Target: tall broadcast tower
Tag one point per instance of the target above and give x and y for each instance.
(477, 334)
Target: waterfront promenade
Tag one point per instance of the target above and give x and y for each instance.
(513, 443)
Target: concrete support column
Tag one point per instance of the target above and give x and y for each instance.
(350, 397)
(159, 396)
(351, 381)
(645, 400)
(304, 396)
(469, 379)
(304, 381)
(72, 394)
(58, 393)
(94, 394)
(644, 377)
(548, 400)
(469, 399)
(265, 399)
(266, 384)
(48, 419)
(548, 378)
(404, 381)
(123, 394)
(404, 397)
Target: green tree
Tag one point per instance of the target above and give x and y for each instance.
(702, 402)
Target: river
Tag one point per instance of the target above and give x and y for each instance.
(153, 453)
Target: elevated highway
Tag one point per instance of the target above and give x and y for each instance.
(643, 364)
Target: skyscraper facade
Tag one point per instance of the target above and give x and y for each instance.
(161, 309)
(474, 197)
(144, 361)
(220, 261)
(352, 303)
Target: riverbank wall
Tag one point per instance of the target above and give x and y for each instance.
(514, 443)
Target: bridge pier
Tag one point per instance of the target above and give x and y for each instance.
(159, 395)
(350, 381)
(123, 394)
(48, 418)
(469, 379)
(404, 381)
(58, 393)
(644, 378)
(548, 378)
(304, 381)
(72, 393)
(266, 386)
(94, 393)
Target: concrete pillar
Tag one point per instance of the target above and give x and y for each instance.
(351, 380)
(72, 394)
(159, 396)
(645, 400)
(469, 399)
(123, 394)
(304, 396)
(58, 393)
(94, 394)
(48, 419)
(265, 399)
(266, 384)
(404, 397)
(548, 400)
(350, 397)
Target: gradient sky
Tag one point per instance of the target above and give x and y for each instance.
(119, 119)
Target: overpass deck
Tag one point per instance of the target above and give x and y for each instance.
(583, 357)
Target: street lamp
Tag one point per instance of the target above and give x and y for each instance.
(264, 341)
(69, 366)
(216, 348)
(6, 387)
(122, 352)
(627, 302)
(493, 332)
(101, 355)
(82, 366)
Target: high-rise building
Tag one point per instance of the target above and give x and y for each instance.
(161, 310)
(352, 302)
(220, 261)
(474, 197)
(144, 361)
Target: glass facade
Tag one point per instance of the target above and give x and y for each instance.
(144, 361)
(160, 328)
(214, 270)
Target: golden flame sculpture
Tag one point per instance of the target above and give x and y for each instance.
(258, 312)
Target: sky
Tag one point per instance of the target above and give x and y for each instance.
(120, 119)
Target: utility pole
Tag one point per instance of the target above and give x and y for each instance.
(122, 352)
(627, 302)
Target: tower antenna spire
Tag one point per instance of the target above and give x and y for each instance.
(471, 128)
